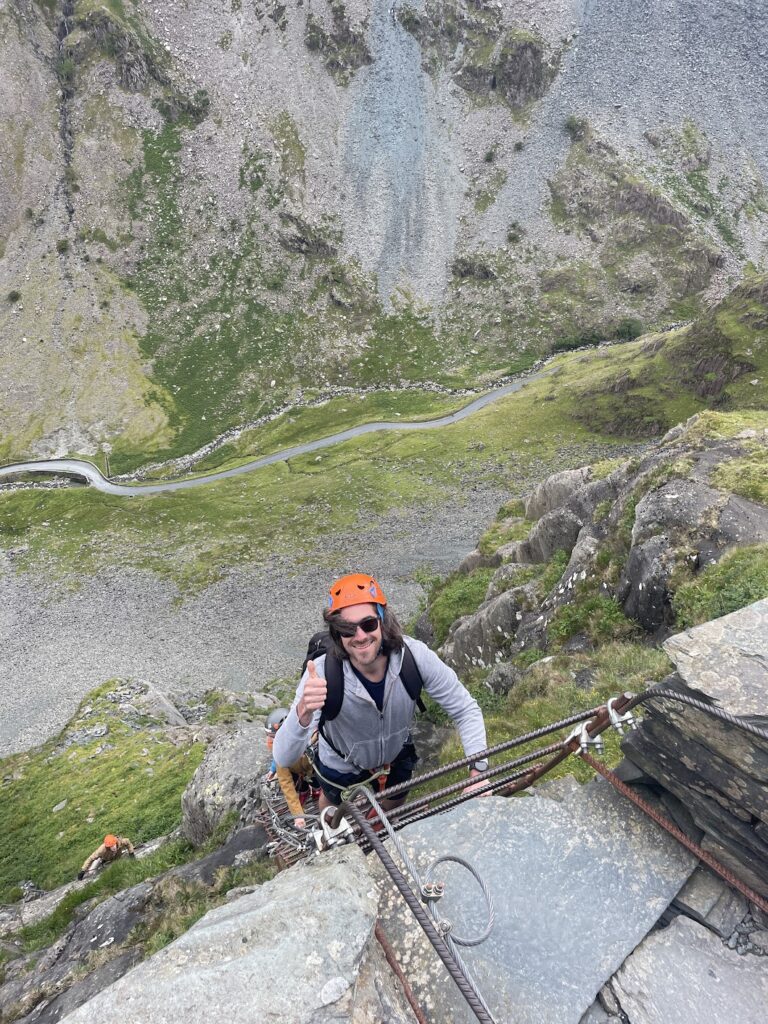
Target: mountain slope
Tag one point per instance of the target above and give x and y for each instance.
(196, 202)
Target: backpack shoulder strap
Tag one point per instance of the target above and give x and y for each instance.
(410, 677)
(334, 677)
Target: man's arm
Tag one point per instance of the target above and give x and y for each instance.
(443, 685)
(285, 778)
(293, 735)
(99, 852)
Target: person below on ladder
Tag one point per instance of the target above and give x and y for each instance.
(362, 693)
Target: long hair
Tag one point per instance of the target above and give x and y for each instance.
(391, 634)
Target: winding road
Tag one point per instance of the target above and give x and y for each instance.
(81, 470)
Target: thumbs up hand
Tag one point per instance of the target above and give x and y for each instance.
(314, 696)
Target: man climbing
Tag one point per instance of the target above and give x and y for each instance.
(296, 782)
(111, 849)
(369, 730)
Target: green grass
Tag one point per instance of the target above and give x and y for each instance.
(747, 476)
(121, 874)
(568, 417)
(290, 507)
(128, 781)
(738, 579)
(460, 594)
(503, 531)
(548, 693)
(598, 617)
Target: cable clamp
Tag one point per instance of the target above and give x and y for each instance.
(432, 891)
(581, 733)
(619, 721)
(326, 836)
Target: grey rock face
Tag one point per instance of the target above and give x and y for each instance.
(643, 590)
(503, 677)
(580, 884)
(244, 962)
(224, 780)
(158, 705)
(555, 491)
(728, 659)
(555, 531)
(684, 973)
(707, 899)
(51, 975)
(675, 505)
(503, 579)
(246, 844)
(481, 639)
(79, 993)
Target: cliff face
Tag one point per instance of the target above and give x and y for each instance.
(199, 200)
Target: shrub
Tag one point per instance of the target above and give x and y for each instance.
(576, 127)
(600, 618)
(14, 295)
(62, 246)
(629, 329)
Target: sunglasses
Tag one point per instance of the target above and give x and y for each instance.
(340, 627)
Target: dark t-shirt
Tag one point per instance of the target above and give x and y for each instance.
(376, 690)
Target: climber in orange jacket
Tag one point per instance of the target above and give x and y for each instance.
(111, 849)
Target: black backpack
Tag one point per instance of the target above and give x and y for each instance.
(321, 643)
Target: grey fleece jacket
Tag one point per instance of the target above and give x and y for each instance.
(370, 738)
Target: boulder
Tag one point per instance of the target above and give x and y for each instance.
(476, 560)
(555, 531)
(684, 973)
(504, 579)
(483, 638)
(245, 845)
(503, 677)
(157, 704)
(555, 491)
(576, 884)
(727, 659)
(312, 961)
(225, 780)
(643, 587)
(675, 507)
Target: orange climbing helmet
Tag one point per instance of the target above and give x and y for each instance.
(355, 588)
(110, 841)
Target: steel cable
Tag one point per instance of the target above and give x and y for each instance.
(700, 705)
(452, 961)
(497, 749)
(442, 926)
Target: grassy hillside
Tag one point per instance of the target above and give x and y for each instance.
(586, 399)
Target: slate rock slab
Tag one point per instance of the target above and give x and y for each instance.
(297, 950)
(684, 973)
(577, 883)
(707, 899)
(727, 659)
